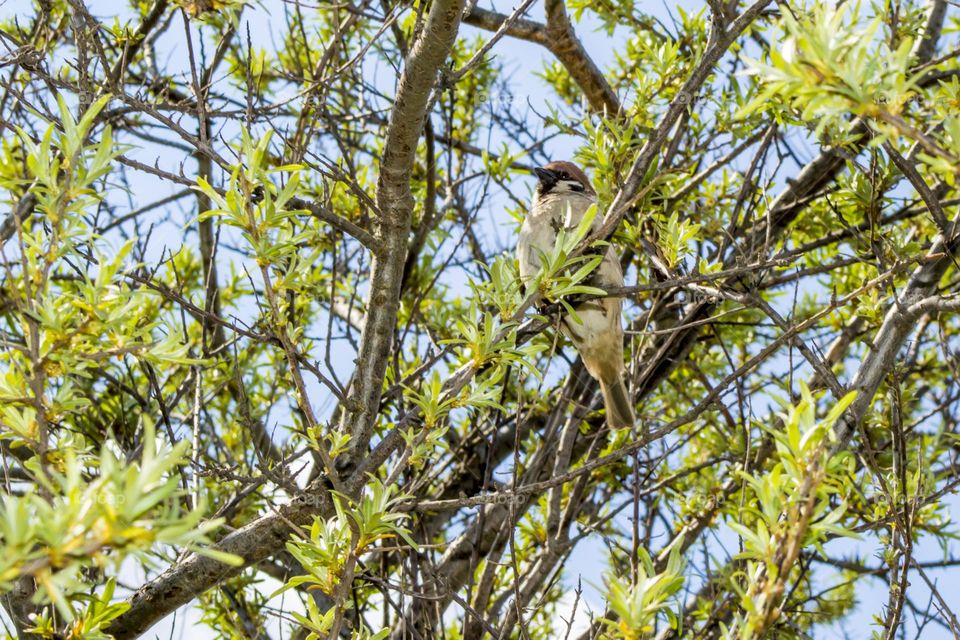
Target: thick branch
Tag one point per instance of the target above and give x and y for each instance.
(395, 202)
(558, 37)
(897, 325)
(186, 579)
(566, 46)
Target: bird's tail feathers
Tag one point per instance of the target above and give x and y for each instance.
(617, 401)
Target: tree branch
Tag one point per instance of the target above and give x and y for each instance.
(395, 202)
(186, 579)
(560, 39)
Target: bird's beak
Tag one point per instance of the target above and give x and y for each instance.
(547, 177)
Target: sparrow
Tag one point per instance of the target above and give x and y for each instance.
(562, 196)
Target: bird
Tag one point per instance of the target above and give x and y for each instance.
(562, 197)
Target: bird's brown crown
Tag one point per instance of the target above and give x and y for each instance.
(565, 167)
